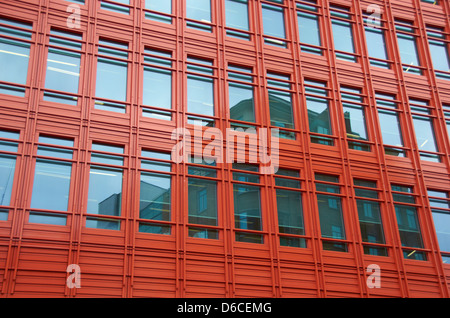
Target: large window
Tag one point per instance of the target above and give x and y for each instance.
(291, 226)
(330, 213)
(202, 200)
(440, 209)
(198, 15)
(342, 26)
(390, 125)
(247, 203)
(241, 99)
(369, 213)
(8, 155)
(112, 74)
(355, 118)
(15, 42)
(309, 27)
(155, 200)
(375, 33)
(407, 45)
(51, 186)
(104, 204)
(447, 117)
(158, 10)
(273, 23)
(200, 91)
(408, 222)
(424, 129)
(237, 21)
(439, 47)
(157, 84)
(319, 119)
(63, 67)
(280, 104)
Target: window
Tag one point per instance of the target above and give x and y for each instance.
(375, 32)
(431, 1)
(280, 104)
(424, 130)
(319, 119)
(155, 203)
(76, 1)
(447, 117)
(439, 51)
(408, 222)
(200, 91)
(330, 212)
(198, 15)
(241, 99)
(8, 155)
(389, 119)
(15, 43)
(247, 203)
(119, 6)
(157, 10)
(237, 23)
(105, 187)
(440, 209)
(63, 67)
(309, 27)
(355, 118)
(202, 200)
(342, 26)
(157, 84)
(289, 208)
(406, 38)
(51, 186)
(273, 23)
(112, 74)
(369, 213)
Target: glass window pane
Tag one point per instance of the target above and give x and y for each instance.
(198, 10)
(202, 200)
(343, 36)
(424, 132)
(439, 56)
(241, 102)
(200, 95)
(375, 43)
(111, 80)
(51, 185)
(7, 167)
(14, 57)
(273, 21)
(247, 207)
(155, 197)
(160, 6)
(318, 116)
(308, 28)
(355, 122)
(105, 191)
(331, 218)
(237, 14)
(408, 49)
(408, 226)
(63, 71)
(390, 128)
(370, 221)
(290, 212)
(157, 90)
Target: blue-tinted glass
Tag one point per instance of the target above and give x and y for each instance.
(273, 21)
(200, 94)
(343, 36)
(155, 197)
(247, 207)
(308, 28)
(390, 128)
(280, 105)
(51, 185)
(63, 71)
(202, 201)
(237, 14)
(198, 10)
(442, 226)
(116, 7)
(375, 43)
(159, 6)
(14, 57)
(439, 56)
(157, 89)
(105, 191)
(423, 128)
(408, 49)
(47, 218)
(290, 212)
(111, 80)
(408, 226)
(331, 218)
(370, 221)
(7, 167)
(318, 116)
(355, 123)
(241, 102)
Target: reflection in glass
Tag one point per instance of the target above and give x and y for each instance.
(7, 167)
(202, 207)
(247, 212)
(105, 191)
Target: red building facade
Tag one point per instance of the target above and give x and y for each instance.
(91, 93)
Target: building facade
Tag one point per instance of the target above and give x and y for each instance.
(224, 148)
